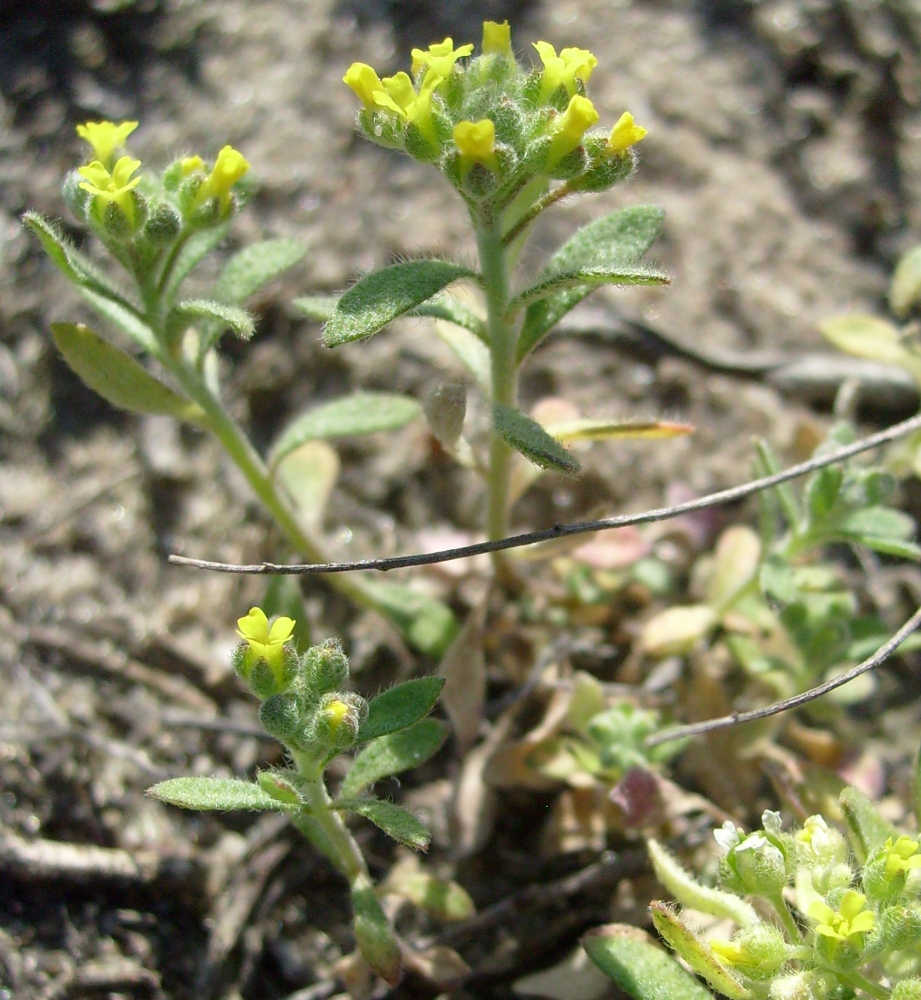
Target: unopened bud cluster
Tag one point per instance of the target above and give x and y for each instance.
(850, 924)
(304, 705)
(492, 126)
(145, 213)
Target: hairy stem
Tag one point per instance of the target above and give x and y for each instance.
(504, 374)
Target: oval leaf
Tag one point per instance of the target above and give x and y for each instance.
(214, 793)
(381, 296)
(620, 238)
(442, 898)
(426, 622)
(394, 753)
(586, 280)
(531, 440)
(225, 317)
(308, 474)
(361, 413)
(254, 266)
(870, 337)
(376, 940)
(639, 967)
(400, 706)
(905, 290)
(394, 820)
(118, 378)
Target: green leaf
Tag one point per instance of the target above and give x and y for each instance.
(254, 266)
(224, 316)
(616, 240)
(124, 316)
(905, 290)
(394, 753)
(868, 830)
(531, 440)
(639, 967)
(400, 707)
(360, 413)
(381, 296)
(427, 623)
(319, 308)
(74, 264)
(376, 940)
(586, 280)
(822, 490)
(881, 529)
(118, 378)
(193, 251)
(689, 892)
(442, 898)
(777, 580)
(870, 337)
(214, 793)
(394, 820)
(697, 953)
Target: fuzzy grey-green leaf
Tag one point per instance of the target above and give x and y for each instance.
(531, 440)
(193, 251)
(614, 241)
(639, 967)
(382, 296)
(117, 377)
(254, 266)
(400, 707)
(587, 279)
(214, 793)
(394, 820)
(360, 413)
(427, 623)
(394, 753)
(224, 317)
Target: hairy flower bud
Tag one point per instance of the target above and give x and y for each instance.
(163, 225)
(758, 952)
(336, 720)
(324, 668)
(908, 989)
(751, 864)
(280, 716)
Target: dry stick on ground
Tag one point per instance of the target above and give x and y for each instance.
(660, 514)
(564, 530)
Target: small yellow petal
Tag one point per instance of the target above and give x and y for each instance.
(364, 81)
(281, 630)
(254, 627)
(497, 39)
(476, 142)
(105, 137)
(626, 133)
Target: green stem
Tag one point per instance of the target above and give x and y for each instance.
(860, 982)
(502, 338)
(786, 918)
(238, 447)
(548, 199)
(348, 856)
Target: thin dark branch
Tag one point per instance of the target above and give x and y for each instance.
(882, 654)
(564, 530)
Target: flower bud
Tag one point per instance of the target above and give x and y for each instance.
(888, 867)
(907, 989)
(324, 668)
(758, 952)
(445, 407)
(801, 986)
(280, 716)
(265, 660)
(163, 225)
(337, 719)
(751, 864)
(899, 928)
(603, 171)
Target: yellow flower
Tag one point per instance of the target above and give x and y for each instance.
(115, 186)
(626, 133)
(849, 924)
(105, 138)
(476, 143)
(563, 70)
(364, 81)
(190, 164)
(400, 97)
(228, 168)
(497, 39)
(266, 643)
(901, 856)
(439, 58)
(579, 116)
